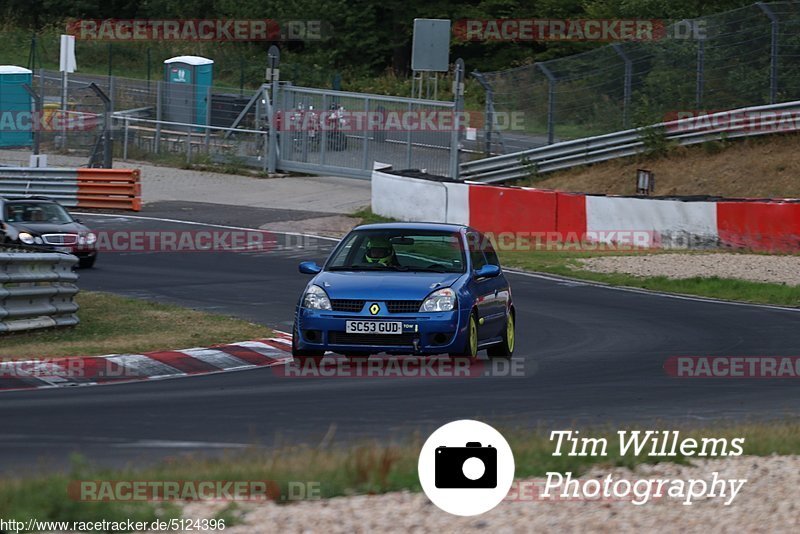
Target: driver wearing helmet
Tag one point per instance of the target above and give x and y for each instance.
(380, 251)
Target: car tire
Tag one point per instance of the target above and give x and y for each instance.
(302, 355)
(87, 263)
(505, 349)
(470, 349)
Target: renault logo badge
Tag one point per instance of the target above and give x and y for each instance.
(374, 309)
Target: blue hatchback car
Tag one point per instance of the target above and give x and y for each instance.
(406, 288)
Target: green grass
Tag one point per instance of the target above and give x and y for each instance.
(113, 324)
(368, 217)
(364, 468)
(566, 263)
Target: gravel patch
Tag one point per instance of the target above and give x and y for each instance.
(333, 226)
(750, 267)
(767, 503)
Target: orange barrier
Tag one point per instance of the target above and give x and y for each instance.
(110, 189)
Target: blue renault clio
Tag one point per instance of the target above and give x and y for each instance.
(406, 288)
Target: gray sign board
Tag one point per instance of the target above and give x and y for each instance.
(430, 50)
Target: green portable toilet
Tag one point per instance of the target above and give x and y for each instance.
(16, 107)
(186, 89)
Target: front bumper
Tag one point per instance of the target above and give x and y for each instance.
(423, 333)
(81, 251)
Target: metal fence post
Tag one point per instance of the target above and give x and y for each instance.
(157, 140)
(64, 103)
(365, 154)
(273, 110)
(207, 139)
(626, 99)
(773, 51)
(458, 101)
(551, 101)
(701, 62)
(125, 139)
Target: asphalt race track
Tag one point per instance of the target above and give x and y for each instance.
(591, 355)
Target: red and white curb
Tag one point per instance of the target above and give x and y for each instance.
(118, 368)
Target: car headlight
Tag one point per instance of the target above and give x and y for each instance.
(441, 300)
(316, 299)
(26, 238)
(91, 238)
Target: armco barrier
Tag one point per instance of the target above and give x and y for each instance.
(110, 188)
(762, 225)
(37, 290)
(82, 188)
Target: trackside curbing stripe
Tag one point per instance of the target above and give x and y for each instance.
(217, 358)
(121, 368)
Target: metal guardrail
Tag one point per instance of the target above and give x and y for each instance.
(56, 183)
(578, 152)
(83, 188)
(37, 290)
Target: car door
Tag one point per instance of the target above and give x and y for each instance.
(500, 294)
(483, 289)
(502, 290)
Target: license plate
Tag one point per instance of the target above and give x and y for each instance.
(374, 327)
(68, 250)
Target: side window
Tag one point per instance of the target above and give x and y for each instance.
(475, 252)
(488, 249)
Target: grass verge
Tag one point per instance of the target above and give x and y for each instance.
(566, 263)
(358, 469)
(114, 324)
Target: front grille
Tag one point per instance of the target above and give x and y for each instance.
(394, 340)
(347, 305)
(403, 306)
(60, 239)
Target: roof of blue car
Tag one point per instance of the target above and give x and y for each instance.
(412, 226)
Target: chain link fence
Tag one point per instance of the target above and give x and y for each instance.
(317, 130)
(748, 56)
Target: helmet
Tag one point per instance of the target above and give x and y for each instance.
(379, 250)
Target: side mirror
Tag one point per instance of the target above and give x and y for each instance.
(77, 220)
(488, 271)
(309, 267)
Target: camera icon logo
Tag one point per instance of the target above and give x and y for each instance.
(472, 466)
(466, 467)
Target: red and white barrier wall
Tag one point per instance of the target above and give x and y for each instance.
(670, 223)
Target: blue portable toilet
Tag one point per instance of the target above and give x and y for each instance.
(16, 107)
(186, 89)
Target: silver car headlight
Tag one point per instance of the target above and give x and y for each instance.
(91, 238)
(315, 298)
(26, 238)
(441, 300)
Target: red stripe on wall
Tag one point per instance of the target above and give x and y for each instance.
(570, 214)
(766, 226)
(511, 209)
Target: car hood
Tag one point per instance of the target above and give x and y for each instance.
(48, 228)
(383, 285)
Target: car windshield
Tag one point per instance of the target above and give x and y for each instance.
(36, 212)
(400, 250)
